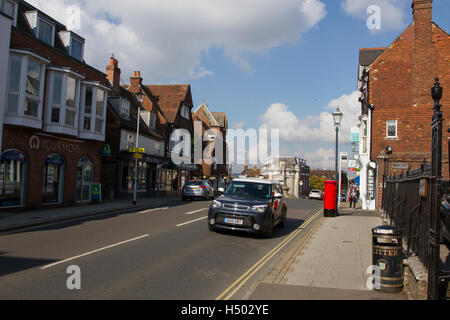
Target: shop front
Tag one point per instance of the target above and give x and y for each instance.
(39, 170)
(148, 178)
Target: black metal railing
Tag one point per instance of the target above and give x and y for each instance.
(407, 207)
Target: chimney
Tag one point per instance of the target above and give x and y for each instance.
(113, 73)
(423, 55)
(135, 81)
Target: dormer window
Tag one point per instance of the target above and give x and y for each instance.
(45, 32)
(74, 44)
(42, 28)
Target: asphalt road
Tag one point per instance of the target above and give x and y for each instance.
(163, 253)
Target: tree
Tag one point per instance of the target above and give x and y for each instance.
(317, 182)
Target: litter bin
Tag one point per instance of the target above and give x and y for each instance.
(388, 257)
(329, 199)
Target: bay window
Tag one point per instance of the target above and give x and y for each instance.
(93, 111)
(64, 100)
(25, 89)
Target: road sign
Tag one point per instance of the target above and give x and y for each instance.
(138, 156)
(137, 150)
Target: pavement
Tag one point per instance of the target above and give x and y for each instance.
(10, 221)
(329, 264)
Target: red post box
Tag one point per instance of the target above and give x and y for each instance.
(329, 198)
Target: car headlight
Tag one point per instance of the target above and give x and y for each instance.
(259, 209)
(216, 204)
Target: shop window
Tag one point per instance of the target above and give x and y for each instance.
(12, 178)
(53, 179)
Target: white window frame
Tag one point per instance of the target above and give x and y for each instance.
(388, 124)
(39, 20)
(92, 134)
(71, 48)
(20, 118)
(60, 126)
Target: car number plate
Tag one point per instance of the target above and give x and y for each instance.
(234, 221)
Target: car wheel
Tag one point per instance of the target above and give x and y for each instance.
(268, 233)
(183, 199)
(282, 223)
(210, 227)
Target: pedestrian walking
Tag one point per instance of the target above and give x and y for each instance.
(353, 194)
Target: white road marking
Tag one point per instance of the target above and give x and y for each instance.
(151, 210)
(183, 224)
(192, 212)
(92, 252)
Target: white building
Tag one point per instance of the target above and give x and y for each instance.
(368, 174)
(6, 20)
(292, 172)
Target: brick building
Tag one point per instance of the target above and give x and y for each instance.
(55, 112)
(396, 94)
(118, 169)
(172, 106)
(214, 133)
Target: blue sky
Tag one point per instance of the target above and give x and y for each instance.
(266, 63)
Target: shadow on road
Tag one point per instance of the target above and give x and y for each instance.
(9, 265)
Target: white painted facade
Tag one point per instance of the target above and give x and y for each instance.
(152, 147)
(5, 35)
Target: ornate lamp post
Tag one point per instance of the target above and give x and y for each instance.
(139, 97)
(337, 117)
(436, 177)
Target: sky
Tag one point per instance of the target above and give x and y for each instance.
(272, 64)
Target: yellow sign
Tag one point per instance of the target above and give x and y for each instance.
(138, 156)
(137, 150)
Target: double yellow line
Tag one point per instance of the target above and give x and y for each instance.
(229, 292)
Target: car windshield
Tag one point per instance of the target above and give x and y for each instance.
(315, 191)
(194, 183)
(249, 190)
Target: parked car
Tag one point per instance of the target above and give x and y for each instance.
(445, 219)
(250, 205)
(316, 194)
(198, 189)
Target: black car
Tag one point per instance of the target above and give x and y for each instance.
(250, 205)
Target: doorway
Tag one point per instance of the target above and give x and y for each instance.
(84, 179)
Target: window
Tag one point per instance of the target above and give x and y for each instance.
(64, 101)
(53, 179)
(15, 66)
(391, 129)
(45, 32)
(185, 112)
(153, 120)
(12, 178)
(62, 108)
(76, 49)
(25, 89)
(125, 108)
(8, 7)
(93, 111)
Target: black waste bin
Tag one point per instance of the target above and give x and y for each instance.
(388, 257)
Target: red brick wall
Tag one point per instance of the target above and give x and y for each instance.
(400, 82)
(18, 138)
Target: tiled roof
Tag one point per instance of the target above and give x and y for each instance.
(170, 98)
(368, 55)
(221, 118)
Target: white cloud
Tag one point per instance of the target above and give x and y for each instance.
(313, 128)
(166, 39)
(321, 159)
(392, 12)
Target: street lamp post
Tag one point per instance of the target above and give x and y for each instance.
(139, 97)
(337, 117)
